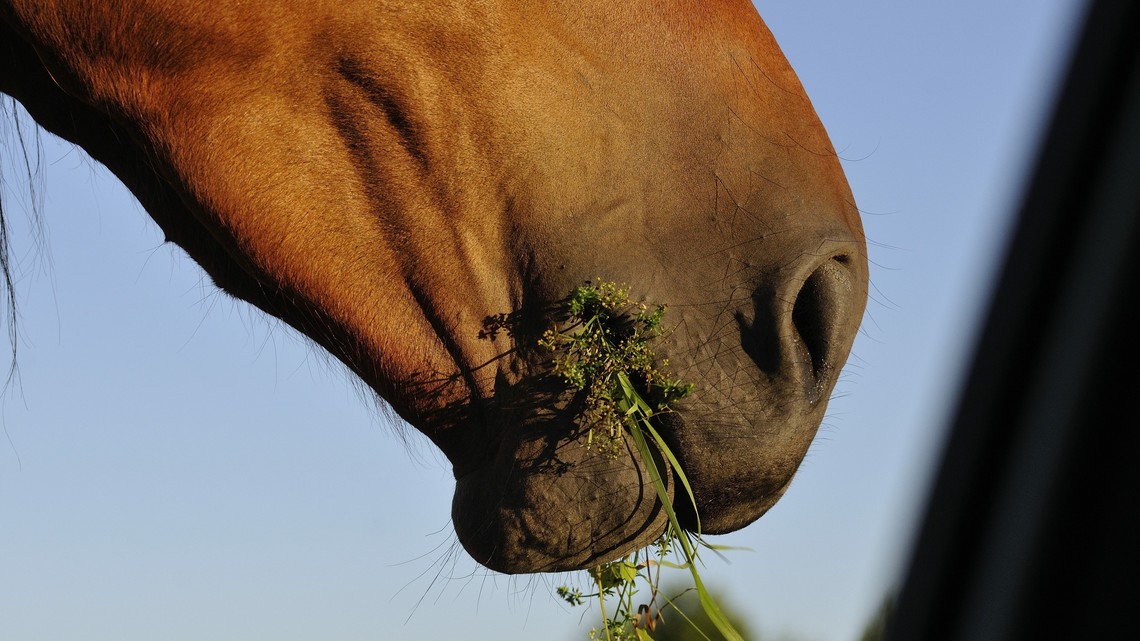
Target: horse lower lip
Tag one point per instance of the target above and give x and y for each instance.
(574, 506)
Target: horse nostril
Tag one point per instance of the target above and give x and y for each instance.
(817, 315)
(803, 338)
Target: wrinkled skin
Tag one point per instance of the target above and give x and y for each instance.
(385, 176)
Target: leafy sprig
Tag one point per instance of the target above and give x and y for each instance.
(605, 351)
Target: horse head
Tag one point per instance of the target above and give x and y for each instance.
(386, 178)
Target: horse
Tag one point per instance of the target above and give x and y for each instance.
(387, 177)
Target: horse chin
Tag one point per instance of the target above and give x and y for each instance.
(549, 503)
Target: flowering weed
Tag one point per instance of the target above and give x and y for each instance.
(605, 351)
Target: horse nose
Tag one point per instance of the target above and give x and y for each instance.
(803, 323)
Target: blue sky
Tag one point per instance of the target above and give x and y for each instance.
(174, 465)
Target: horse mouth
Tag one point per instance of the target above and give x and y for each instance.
(547, 502)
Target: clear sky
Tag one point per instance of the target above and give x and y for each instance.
(173, 465)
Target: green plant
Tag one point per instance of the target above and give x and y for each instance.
(604, 350)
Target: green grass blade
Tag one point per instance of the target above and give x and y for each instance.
(708, 603)
(677, 471)
(684, 616)
(655, 477)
